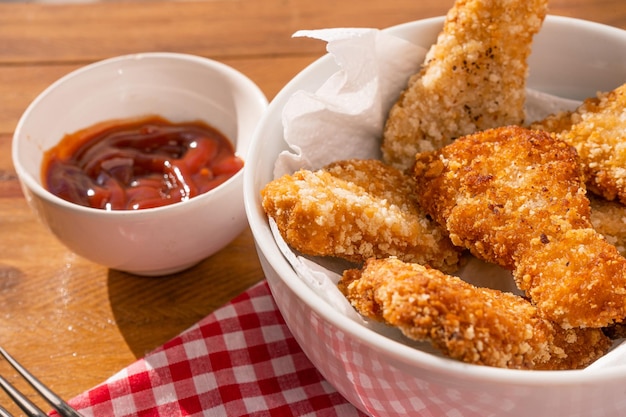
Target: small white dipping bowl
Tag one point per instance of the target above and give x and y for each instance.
(383, 377)
(178, 87)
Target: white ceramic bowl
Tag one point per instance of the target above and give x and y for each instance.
(178, 87)
(382, 377)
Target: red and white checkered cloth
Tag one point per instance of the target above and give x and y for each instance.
(239, 361)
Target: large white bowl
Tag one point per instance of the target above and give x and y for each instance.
(571, 58)
(179, 87)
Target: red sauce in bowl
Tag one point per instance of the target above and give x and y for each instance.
(138, 164)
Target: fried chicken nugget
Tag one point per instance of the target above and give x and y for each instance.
(597, 129)
(515, 197)
(475, 325)
(474, 78)
(355, 210)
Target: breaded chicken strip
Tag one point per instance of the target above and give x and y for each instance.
(475, 325)
(515, 197)
(355, 210)
(597, 129)
(474, 78)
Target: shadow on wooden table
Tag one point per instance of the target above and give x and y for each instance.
(149, 311)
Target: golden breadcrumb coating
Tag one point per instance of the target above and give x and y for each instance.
(553, 123)
(474, 78)
(609, 219)
(475, 325)
(475, 186)
(515, 197)
(597, 129)
(355, 210)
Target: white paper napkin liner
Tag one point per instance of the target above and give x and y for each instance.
(345, 116)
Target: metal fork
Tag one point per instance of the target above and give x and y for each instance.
(24, 403)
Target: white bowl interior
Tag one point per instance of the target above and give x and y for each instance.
(571, 58)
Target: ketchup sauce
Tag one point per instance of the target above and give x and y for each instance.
(139, 164)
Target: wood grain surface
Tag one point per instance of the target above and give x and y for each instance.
(74, 323)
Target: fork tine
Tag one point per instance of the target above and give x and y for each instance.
(4, 412)
(57, 403)
(24, 403)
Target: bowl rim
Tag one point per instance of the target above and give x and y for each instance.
(402, 353)
(38, 189)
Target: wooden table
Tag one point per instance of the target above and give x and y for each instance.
(74, 323)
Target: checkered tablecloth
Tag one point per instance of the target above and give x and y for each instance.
(239, 361)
